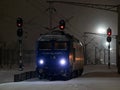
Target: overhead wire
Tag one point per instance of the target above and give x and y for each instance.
(35, 6)
(67, 21)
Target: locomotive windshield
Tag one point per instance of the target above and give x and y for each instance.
(60, 45)
(52, 45)
(45, 45)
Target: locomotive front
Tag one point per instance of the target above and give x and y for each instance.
(52, 56)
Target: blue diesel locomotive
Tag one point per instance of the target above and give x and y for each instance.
(59, 55)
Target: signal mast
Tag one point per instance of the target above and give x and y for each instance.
(109, 33)
(20, 34)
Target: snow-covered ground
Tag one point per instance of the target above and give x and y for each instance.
(7, 74)
(95, 77)
(74, 84)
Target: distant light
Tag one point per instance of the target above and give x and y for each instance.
(101, 30)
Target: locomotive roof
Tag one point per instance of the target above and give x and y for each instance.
(58, 36)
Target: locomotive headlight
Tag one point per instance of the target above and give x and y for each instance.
(41, 61)
(62, 61)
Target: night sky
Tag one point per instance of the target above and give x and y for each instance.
(36, 18)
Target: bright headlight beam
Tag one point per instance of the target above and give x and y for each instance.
(41, 61)
(62, 61)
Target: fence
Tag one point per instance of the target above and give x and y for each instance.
(10, 58)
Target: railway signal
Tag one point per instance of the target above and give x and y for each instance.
(20, 32)
(19, 23)
(109, 39)
(62, 24)
(109, 33)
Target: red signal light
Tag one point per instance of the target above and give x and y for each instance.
(62, 24)
(109, 32)
(61, 27)
(19, 25)
(19, 22)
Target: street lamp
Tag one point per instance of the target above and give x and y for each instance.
(101, 30)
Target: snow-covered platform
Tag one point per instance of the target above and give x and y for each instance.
(95, 77)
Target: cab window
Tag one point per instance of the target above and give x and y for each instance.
(60, 45)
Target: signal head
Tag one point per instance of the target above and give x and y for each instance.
(19, 22)
(109, 39)
(62, 24)
(20, 32)
(109, 32)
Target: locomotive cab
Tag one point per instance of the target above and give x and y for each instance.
(56, 56)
